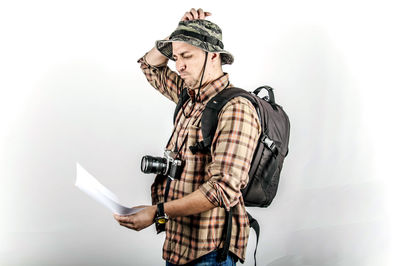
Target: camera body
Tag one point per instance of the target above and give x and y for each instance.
(170, 165)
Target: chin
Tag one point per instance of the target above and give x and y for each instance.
(189, 84)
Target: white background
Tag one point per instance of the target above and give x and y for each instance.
(71, 90)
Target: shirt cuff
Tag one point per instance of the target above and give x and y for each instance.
(143, 61)
(215, 194)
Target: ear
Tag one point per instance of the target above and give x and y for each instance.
(214, 56)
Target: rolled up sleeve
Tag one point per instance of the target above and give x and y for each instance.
(163, 79)
(232, 150)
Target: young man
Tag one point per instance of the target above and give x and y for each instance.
(196, 203)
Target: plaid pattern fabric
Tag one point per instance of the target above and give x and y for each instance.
(219, 175)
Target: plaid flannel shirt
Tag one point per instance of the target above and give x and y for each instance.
(219, 175)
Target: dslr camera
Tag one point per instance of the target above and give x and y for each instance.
(169, 165)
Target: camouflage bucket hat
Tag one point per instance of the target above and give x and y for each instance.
(200, 33)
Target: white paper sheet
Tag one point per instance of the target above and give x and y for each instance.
(88, 184)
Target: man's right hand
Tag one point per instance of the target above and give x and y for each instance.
(154, 57)
(195, 14)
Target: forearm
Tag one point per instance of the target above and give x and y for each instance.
(155, 58)
(159, 75)
(191, 204)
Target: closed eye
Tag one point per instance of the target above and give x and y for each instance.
(184, 55)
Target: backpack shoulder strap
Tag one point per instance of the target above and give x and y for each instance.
(223, 252)
(254, 224)
(209, 119)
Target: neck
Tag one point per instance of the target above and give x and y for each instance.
(209, 77)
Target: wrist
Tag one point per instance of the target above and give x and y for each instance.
(155, 59)
(154, 211)
(160, 218)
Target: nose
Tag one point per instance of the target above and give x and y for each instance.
(180, 65)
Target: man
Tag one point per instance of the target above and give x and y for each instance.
(209, 186)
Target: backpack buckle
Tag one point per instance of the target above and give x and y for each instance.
(269, 143)
(198, 147)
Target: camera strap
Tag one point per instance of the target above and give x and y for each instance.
(167, 186)
(167, 189)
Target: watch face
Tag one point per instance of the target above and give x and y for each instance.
(162, 220)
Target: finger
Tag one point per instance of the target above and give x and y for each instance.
(194, 13)
(124, 219)
(188, 16)
(201, 13)
(184, 18)
(206, 14)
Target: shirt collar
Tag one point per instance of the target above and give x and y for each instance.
(211, 89)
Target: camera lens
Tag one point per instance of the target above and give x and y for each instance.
(155, 165)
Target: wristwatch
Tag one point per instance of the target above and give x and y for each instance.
(161, 218)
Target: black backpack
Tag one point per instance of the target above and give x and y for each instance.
(271, 150)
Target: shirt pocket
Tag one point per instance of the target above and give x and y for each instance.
(194, 135)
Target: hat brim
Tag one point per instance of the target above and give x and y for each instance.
(165, 47)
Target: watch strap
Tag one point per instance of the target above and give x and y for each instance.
(161, 218)
(160, 209)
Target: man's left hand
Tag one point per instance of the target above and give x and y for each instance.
(140, 220)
